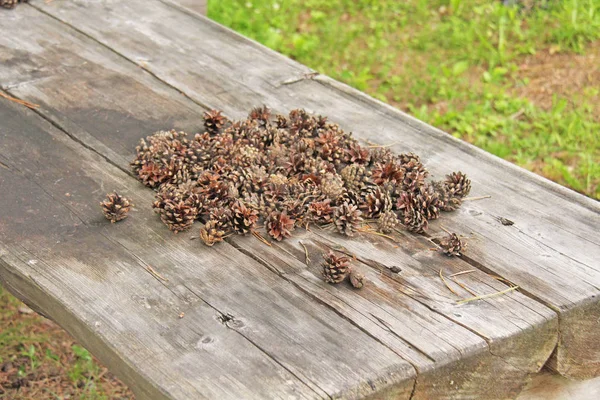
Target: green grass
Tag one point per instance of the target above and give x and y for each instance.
(451, 63)
(46, 359)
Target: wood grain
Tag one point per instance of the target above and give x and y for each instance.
(482, 351)
(272, 339)
(553, 243)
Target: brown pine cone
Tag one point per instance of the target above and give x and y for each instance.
(355, 177)
(376, 202)
(452, 245)
(178, 215)
(212, 232)
(279, 225)
(347, 219)
(335, 267)
(458, 183)
(260, 114)
(11, 3)
(448, 200)
(243, 218)
(332, 186)
(387, 222)
(414, 220)
(321, 211)
(388, 172)
(214, 120)
(115, 207)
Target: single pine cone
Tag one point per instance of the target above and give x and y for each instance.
(388, 172)
(178, 215)
(11, 3)
(448, 200)
(357, 279)
(458, 183)
(243, 218)
(115, 207)
(387, 222)
(212, 232)
(347, 219)
(260, 114)
(452, 245)
(414, 220)
(321, 211)
(429, 203)
(332, 186)
(355, 177)
(376, 202)
(279, 225)
(335, 268)
(214, 121)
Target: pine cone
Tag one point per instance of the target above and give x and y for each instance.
(115, 207)
(321, 211)
(260, 114)
(355, 154)
(376, 202)
(458, 183)
(11, 3)
(243, 218)
(387, 222)
(335, 268)
(332, 186)
(214, 120)
(347, 219)
(448, 200)
(178, 215)
(452, 245)
(388, 172)
(355, 177)
(414, 220)
(279, 225)
(212, 232)
(357, 279)
(429, 203)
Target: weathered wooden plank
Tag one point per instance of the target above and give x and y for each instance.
(235, 74)
(197, 6)
(59, 254)
(447, 355)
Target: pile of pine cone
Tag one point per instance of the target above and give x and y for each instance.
(284, 172)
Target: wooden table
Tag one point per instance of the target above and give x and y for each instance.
(257, 321)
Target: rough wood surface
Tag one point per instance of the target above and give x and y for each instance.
(553, 247)
(415, 316)
(106, 103)
(197, 6)
(245, 333)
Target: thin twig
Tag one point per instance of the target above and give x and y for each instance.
(446, 283)
(306, 257)
(156, 274)
(446, 230)
(464, 287)
(476, 198)
(378, 234)
(380, 146)
(262, 239)
(487, 296)
(463, 272)
(18, 101)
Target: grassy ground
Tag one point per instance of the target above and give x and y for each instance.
(524, 85)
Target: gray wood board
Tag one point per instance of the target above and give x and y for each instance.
(554, 238)
(276, 342)
(106, 104)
